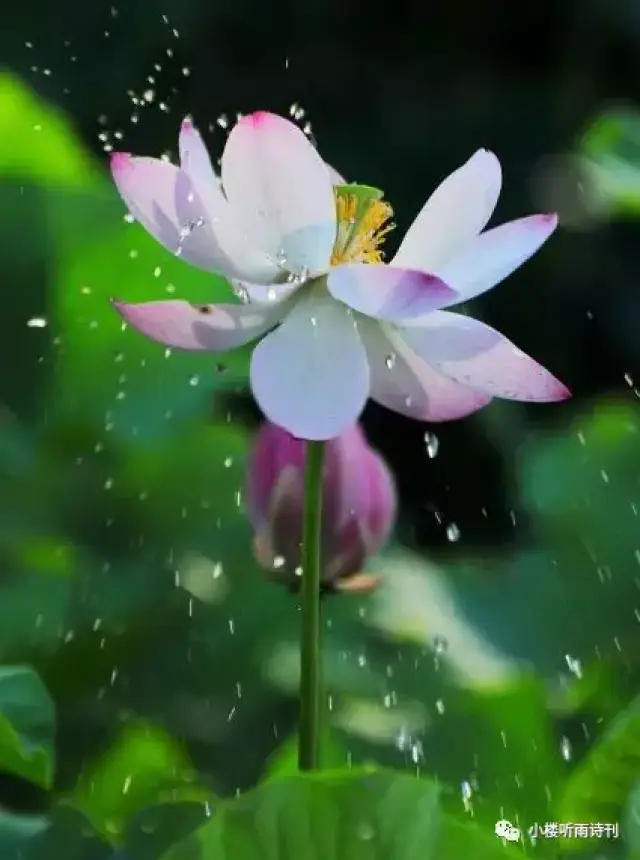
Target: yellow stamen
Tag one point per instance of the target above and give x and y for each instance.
(359, 241)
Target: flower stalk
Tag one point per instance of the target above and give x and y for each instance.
(310, 654)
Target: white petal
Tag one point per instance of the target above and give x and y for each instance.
(311, 375)
(458, 210)
(494, 255)
(473, 353)
(387, 292)
(213, 328)
(403, 382)
(275, 179)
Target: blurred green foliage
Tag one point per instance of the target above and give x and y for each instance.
(492, 686)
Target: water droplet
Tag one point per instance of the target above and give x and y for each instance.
(37, 322)
(466, 791)
(194, 380)
(440, 644)
(417, 752)
(440, 706)
(403, 738)
(432, 443)
(453, 532)
(566, 749)
(240, 292)
(574, 665)
(365, 832)
(185, 232)
(390, 360)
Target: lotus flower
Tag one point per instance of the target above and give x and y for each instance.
(336, 324)
(359, 503)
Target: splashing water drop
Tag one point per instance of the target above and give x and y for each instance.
(440, 644)
(433, 444)
(365, 832)
(574, 665)
(565, 749)
(453, 533)
(241, 292)
(185, 232)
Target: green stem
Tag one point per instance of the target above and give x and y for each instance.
(310, 609)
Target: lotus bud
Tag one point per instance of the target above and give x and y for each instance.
(358, 511)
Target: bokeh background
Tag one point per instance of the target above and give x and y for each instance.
(502, 653)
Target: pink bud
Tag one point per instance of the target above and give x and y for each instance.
(359, 504)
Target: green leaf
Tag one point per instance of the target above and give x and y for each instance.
(284, 762)
(350, 815)
(42, 146)
(143, 767)
(631, 823)
(461, 840)
(69, 837)
(485, 735)
(601, 785)
(564, 475)
(18, 832)
(611, 148)
(26, 726)
(156, 828)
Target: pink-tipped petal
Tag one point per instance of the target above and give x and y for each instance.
(494, 255)
(234, 240)
(213, 328)
(386, 292)
(194, 157)
(472, 353)
(458, 210)
(311, 375)
(280, 187)
(404, 383)
(147, 186)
